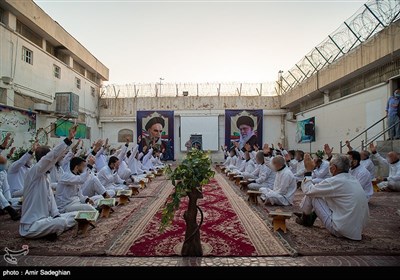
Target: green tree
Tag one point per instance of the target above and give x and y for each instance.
(188, 178)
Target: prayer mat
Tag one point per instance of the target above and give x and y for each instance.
(98, 240)
(380, 237)
(230, 228)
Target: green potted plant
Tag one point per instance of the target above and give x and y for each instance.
(188, 178)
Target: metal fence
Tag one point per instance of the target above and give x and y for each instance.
(190, 89)
(369, 20)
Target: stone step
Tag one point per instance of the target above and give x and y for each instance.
(388, 146)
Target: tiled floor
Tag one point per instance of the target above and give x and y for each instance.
(217, 261)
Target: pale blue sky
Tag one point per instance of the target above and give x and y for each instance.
(247, 41)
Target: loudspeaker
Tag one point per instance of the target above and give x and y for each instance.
(309, 129)
(197, 141)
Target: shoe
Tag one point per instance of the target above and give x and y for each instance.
(13, 213)
(306, 220)
(51, 237)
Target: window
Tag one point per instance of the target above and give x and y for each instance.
(2, 16)
(57, 71)
(78, 83)
(27, 55)
(93, 91)
(29, 34)
(79, 68)
(124, 133)
(50, 48)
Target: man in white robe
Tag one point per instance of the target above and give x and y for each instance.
(69, 197)
(321, 171)
(361, 174)
(367, 163)
(17, 170)
(40, 215)
(284, 185)
(6, 201)
(263, 176)
(109, 178)
(339, 202)
(300, 169)
(392, 182)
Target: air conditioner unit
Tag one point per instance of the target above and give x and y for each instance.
(67, 104)
(290, 117)
(7, 80)
(185, 93)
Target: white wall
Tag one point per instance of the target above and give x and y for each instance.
(343, 119)
(37, 82)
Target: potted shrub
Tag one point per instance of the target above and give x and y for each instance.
(188, 179)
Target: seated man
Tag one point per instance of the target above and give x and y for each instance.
(300, 169)
(17, 171)
(361, 174)
(284, 185)
(6, 201)
(339, 202)
(231, 159)
(321, 171)
(247, 165)
(263, 176)
(40, 215)
(392, 182)
(108, 176)
(69, 195)
(367, 163)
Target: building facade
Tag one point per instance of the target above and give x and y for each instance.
(38, 59)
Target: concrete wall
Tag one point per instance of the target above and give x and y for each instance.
(120, 113)
(343, 119)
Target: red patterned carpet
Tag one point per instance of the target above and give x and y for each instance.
(222, 232)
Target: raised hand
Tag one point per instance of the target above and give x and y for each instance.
(280, 146)
(309, 164)
(256, 148)
(35, 145)
(91, 160)
(328, 150)
(348, 145)
(236, 144)
(247, 147)
(97, 145)
(127, 140)
(372, 148)
(72, 132)
(139, 139)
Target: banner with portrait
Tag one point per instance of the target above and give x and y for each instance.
(305, 132)
(156, 129)
(244, 127)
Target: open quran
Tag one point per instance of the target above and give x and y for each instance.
(87, 215)
(107, 201)
(124, 192)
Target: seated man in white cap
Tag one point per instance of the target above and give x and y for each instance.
(392, 182)
(109, 178)
(40, 215)
(284, 185)
(339, 202)
(362, 174)
(69, 197)
(263, 176)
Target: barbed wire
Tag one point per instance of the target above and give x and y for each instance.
(190, 89)
(369, 20)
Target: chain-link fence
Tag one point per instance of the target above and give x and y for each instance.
(370, 19)
(189, 89)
